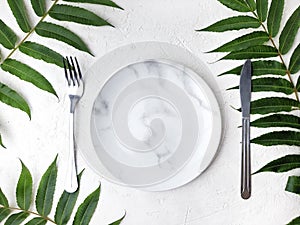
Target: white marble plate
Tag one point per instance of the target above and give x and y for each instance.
(150, 124)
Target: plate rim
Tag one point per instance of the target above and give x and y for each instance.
(196, 77)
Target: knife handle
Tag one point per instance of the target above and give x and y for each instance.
(246, 160)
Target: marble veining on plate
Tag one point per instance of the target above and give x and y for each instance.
(148, 120)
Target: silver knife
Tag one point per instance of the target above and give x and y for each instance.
(245, 93)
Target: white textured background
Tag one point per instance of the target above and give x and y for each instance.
(213, 198)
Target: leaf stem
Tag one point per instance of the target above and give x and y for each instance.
(31, 31)
(30, 212)
(280, 56)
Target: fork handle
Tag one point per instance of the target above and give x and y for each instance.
(71, 182)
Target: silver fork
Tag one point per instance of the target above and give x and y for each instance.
(75, 91)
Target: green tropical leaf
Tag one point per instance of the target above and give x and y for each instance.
(237, 5)
(245, 41)
(274, 17)
(16, 219)
(37, 221)
(60, 33)
(298, 84)
(44, 197)
(99, 2)
(294, 66)
(254, 52)
(270, 84)
(293, 185)
(86, 210)
(12, 98)
(1, 142)
(273, 105)
(8, 37)
(261, 67)
(278, 138)
(251, 4)
(42, 52)
(118, 222)
(24, 188)
(233, 23)
(283, 164)
(77, 15)
(295, 221)
(262, 9)
(289, 32)
(39, 7)
(66, 205)
(24, 72)
(3, 199)
(19, 11)
(4, 212)
(278, 120)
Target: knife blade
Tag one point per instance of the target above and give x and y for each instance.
(245, 93)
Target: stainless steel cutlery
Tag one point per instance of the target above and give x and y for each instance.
(75, 91)
(245, 93)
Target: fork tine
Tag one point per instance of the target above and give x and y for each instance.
(74, 70)
(78, 69)
(70, 71)
(66, 72)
